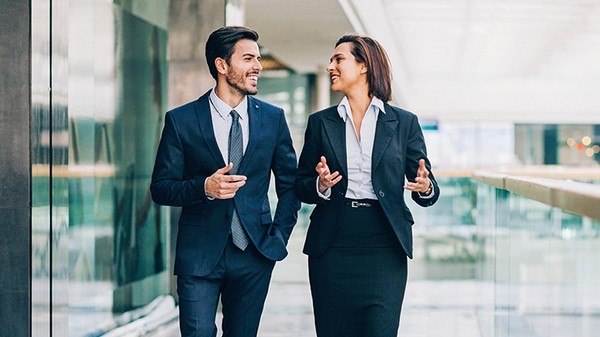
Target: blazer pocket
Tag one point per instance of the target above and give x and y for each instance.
(191, 236)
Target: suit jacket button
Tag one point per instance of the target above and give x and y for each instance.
(381, 194)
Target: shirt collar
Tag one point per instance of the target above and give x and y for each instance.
(223, 109)
(344, 107)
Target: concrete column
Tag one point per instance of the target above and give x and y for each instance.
(323, 88)
(15, 178)
(190, 24)
(235, 13)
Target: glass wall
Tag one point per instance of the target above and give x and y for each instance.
(467, 145)
(117, 98)
(49, 159)
(99, 93)
(558, 144)
(291, 92)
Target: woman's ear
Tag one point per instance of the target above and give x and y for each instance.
(363, 69)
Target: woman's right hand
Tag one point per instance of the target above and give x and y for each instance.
(326, 179)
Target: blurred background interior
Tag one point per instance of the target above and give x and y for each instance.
(507, 93)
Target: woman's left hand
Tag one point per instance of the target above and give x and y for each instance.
(422, 182)
(326, 179)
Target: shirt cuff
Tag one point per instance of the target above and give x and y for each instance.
(430, 194)
(207, 196)
(325, 195)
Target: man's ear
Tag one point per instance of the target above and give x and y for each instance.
(221, 65)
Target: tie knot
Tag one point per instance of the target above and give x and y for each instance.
(234, 116)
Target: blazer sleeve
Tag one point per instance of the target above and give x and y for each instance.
(169, 184)
(284, 168)
(305, 186)
(416, 150)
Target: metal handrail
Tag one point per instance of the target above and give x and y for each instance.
(571, 196)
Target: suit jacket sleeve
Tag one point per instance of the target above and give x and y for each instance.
(170, 185)
(284, 167)
(417, 150)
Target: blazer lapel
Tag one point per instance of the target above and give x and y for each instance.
(386, 127)
(206, 128)
(255, 122)
(335, 127)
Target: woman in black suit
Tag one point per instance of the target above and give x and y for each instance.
(353, 167)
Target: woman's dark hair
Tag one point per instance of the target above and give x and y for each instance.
(368, 51)
(221, 43)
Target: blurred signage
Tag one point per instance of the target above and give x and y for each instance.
(428, 123)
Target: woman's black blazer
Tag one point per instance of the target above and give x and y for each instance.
(397, 149)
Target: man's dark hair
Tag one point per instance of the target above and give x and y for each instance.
(221, 43)
(368, 51)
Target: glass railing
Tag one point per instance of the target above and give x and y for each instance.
(499, 255)
(507, 254)
(539, 240)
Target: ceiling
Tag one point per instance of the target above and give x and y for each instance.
(300, 33)
(490, 60)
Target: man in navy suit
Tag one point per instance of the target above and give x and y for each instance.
(215, 160)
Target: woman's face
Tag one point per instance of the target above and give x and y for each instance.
(345, 72)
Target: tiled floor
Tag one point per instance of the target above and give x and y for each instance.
(288, 313)
(443, 308)
(431, 308)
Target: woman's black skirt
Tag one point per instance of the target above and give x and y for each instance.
(358, 284)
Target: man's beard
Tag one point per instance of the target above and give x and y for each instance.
(237, 82)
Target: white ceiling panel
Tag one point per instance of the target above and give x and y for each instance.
(521, 59)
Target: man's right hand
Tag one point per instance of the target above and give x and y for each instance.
(220, 185)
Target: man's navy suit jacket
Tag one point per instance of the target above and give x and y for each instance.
(188, 153)
(397, 149)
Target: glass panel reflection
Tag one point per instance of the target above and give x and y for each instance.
(40, 160)
(520, 267)
(446, 243)
(59, 174)
(547, 281)
(117, 98)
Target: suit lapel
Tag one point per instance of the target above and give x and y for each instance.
(335, 127)
(386, 127)
(206, 128)
(255, 122)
